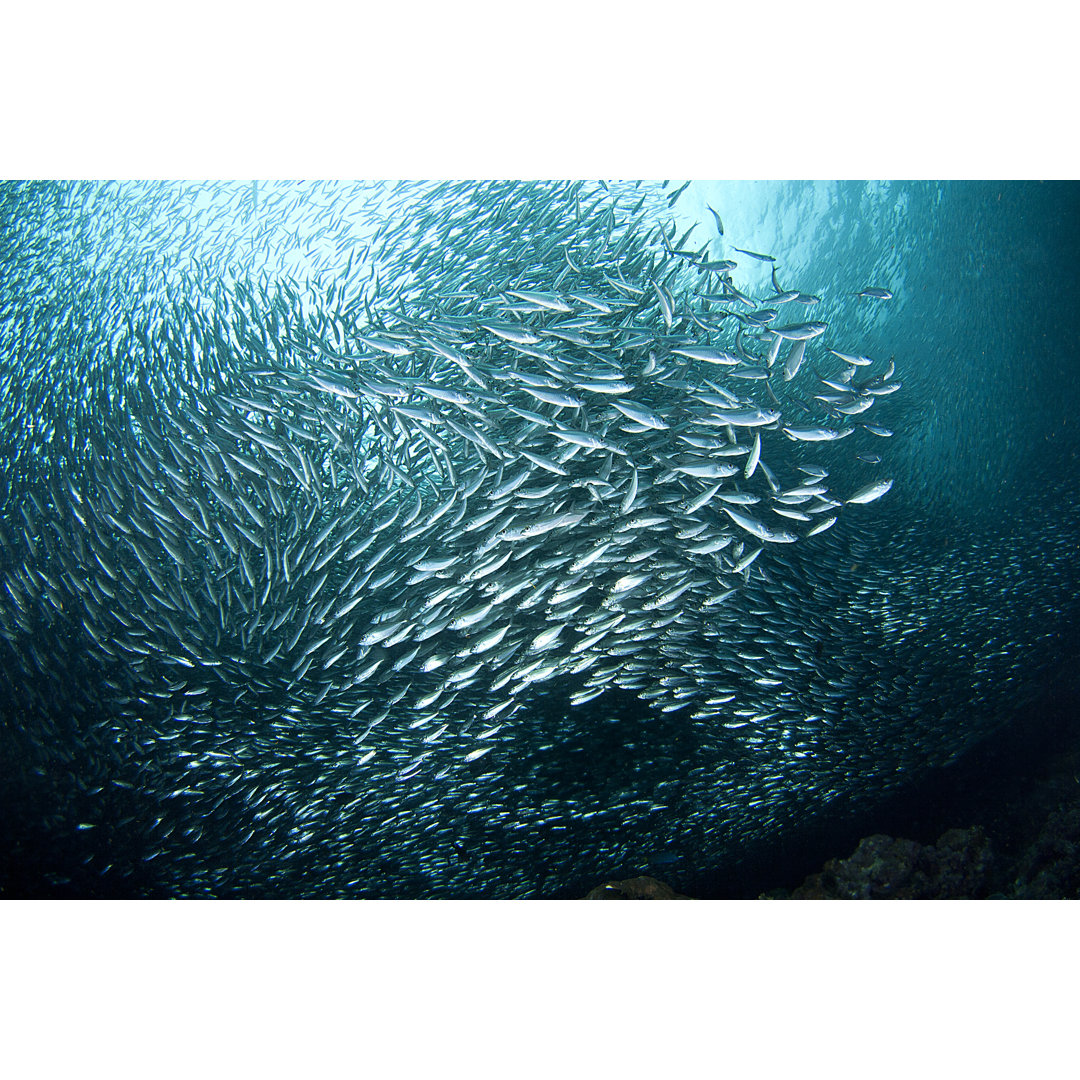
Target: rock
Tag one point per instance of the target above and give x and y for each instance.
(1050, 869)
(639, 888)
(956, 867)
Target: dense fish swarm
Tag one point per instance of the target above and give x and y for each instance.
(337, 522)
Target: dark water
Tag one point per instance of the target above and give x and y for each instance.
(986, 320)
(943, 618)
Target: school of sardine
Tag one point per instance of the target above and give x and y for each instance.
(314, 581)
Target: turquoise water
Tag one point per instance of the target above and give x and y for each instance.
(916, 627)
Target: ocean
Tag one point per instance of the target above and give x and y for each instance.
(469, 540)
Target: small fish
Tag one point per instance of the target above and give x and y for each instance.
(745, 562)
(747, 417)
(870, 492)
(706, 354)
(794, 359)
(821, 526)
(817, 434)
(673, 198)
(756, 255)
(640, 415)
(759, 529)
(754, 458)
(709, 469)
(667, 306)
(850, 358)
(318, 515)
(800, 331)
(548, 301)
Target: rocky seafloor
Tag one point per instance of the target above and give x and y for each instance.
(1002, 822)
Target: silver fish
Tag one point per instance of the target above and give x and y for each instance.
(870, 492)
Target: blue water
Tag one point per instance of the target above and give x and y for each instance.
(982, 324)
(945, 613)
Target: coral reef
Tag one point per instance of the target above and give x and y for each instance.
(956, 867)
(1050, 869)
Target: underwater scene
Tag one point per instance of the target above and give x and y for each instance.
(495, 540)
